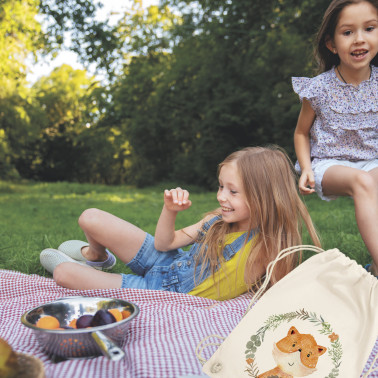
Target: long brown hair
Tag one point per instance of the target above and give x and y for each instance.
(323, 56)
(269, 183)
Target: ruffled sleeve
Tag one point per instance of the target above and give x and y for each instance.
(308, 88)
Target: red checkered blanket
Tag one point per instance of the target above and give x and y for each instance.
(161, 341)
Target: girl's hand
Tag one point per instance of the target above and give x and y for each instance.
(176, 199)
(306, 182)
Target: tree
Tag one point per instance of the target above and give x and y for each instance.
(189, 82)
(228, 83)
(21, 35)
(69, 107)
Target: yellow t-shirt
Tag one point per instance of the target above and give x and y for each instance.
(230, 276)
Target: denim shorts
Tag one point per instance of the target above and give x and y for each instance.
(320, 166)
(156, 270)
(178, 270)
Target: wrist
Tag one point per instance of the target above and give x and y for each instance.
(306, 169)
(168, 210)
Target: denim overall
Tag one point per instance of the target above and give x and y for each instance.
(174, 270)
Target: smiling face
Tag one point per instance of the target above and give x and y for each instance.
(356, 37)
(232, 199)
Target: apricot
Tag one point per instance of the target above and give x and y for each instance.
(72, 323)
(116, 313)
(126, 314)
(48, 322)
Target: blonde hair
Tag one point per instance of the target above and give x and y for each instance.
(269, 183)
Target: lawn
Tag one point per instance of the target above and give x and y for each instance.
(35, 216)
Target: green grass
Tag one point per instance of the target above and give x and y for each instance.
(35, 216)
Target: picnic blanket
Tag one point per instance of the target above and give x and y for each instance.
(161, 341)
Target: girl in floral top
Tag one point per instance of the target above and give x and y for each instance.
(336, 135)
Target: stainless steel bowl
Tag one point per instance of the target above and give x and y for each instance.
(85, 342)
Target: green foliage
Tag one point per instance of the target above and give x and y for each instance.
(143, 122)
(73, 18)
(22, 116)
(144, 30)
(20, 34)
(189, 82)
(67, 98)
(226, 84)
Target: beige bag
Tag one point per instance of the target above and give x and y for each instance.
(320, 320)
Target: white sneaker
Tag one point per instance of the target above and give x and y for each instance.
(72, 248)
(51, 258)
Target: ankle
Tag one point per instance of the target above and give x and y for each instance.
(93, 254)
(374, 269)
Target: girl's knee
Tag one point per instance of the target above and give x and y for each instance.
(89, 217)
(364, 184)
(61, 274)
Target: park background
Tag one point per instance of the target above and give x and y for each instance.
(183, 84)
(167, 91)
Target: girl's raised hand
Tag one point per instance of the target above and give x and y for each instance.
(176, 199)
(306, 182)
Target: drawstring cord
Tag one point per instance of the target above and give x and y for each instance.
(203, 345)
(269, 270)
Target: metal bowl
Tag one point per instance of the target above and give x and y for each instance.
(85, 342)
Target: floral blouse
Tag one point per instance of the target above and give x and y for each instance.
(346, 121)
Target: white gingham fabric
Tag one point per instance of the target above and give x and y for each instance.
(160, 342)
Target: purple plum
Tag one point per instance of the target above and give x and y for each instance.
(84, 321)
(102, 317)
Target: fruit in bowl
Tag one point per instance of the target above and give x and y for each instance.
(68, 336)
(100, 318)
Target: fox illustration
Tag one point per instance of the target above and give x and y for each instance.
(296, 355)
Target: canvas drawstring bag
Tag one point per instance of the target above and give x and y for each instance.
(320, 321)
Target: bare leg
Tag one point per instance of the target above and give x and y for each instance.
(80, 277)
(104, 230)
(363, 188)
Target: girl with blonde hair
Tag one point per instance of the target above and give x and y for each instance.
(260, 214)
